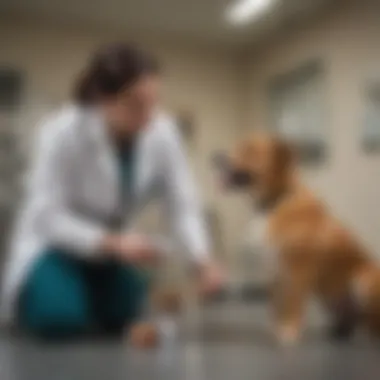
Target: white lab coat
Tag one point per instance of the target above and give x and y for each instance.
(73, 191)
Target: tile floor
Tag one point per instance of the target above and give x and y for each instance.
(237, 347)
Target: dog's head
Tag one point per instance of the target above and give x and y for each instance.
(261, 164)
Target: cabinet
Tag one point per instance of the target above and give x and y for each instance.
(11, 152)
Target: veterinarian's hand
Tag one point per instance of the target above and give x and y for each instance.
(132, 248)
(211, 277)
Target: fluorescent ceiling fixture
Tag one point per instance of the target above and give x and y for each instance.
(243, 11)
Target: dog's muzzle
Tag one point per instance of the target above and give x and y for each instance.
(233, 177)
(240, 179)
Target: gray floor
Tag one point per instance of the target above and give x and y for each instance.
(237, 346)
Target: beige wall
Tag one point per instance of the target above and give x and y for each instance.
(348, 42)
(202, 81)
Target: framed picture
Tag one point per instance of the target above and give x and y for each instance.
(370, 139)
(297, 110)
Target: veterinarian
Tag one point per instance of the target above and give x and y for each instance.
(98, 162)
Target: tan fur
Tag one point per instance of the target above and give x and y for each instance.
(318, 255)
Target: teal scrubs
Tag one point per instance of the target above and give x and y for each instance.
(65, 295)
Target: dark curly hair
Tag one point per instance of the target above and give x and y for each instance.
(112, 69)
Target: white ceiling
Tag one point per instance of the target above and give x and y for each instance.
(198, 19)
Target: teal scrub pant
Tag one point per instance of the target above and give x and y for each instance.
(65, 296)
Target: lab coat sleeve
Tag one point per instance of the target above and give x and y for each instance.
(50, 182)
(181, 199)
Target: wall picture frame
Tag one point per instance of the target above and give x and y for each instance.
(370, 138)
(298, 112)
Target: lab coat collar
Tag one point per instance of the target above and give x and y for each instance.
(107, 158)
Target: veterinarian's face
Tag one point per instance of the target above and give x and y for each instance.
(131, 110)
(257, 163)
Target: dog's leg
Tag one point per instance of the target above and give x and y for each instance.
(345, 318)
(366, 287)
(290, 298)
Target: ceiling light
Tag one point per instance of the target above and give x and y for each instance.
(243, 11)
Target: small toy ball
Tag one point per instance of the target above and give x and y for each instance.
(144, 335)
(167, 301)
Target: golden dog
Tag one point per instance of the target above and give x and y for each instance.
(315, 254)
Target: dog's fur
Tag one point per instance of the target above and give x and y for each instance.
(315, 253)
